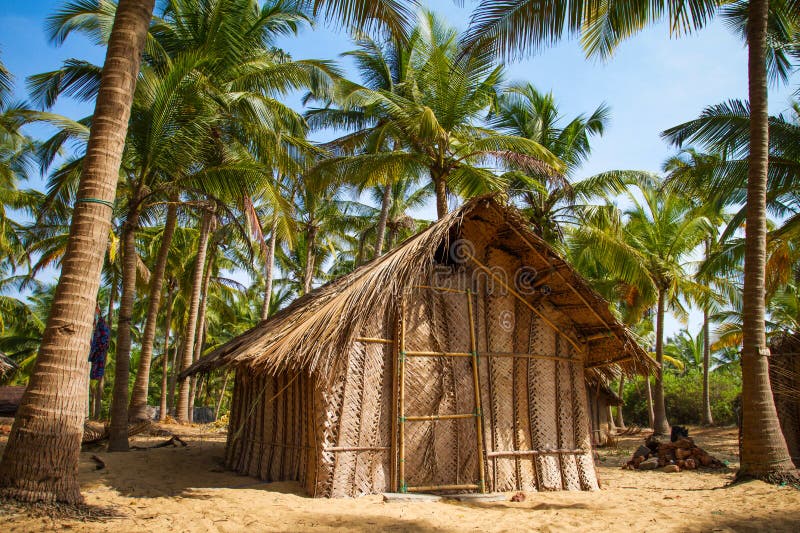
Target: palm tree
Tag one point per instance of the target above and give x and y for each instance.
(435, 122)
(650, 255)
(514, 26)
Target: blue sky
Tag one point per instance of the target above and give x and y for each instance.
(653, 82)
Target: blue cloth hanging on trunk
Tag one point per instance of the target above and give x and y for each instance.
(99, 348)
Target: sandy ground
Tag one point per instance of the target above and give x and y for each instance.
(186, 489)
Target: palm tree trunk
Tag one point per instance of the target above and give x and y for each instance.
(201, 332)
(620, 419)
(708, 420)
(138, 408)
(269, 268)
(660, 423)
(650, 413)
(40, 461)
(118, 430)
(162, 415)
(308, 277)
(764, 452)
(182, 408)
(440, 187)
(386, 204)
(98, 395)
(222, 394)
(173, 377)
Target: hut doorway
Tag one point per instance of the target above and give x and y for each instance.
(444, 423)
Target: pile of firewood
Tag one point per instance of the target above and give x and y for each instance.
(671, 456)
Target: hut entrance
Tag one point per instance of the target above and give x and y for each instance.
(440, 424)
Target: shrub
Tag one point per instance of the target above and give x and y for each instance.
(683, 396)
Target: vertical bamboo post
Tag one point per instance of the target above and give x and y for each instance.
(401, 419)
(394, 413)
(473, 343)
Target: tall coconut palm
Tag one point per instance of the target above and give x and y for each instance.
(437, 124)
(651, 255)
(519, 26)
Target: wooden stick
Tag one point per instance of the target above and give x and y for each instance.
(598, 336)
(373, 339)
(401, 461)
(425, 418)
(523, 300)
(514, 453)
(438, 354)
(395, 415)
(357, 449)
(609, 362)
(444, 289)
(476, 384)
(428, 488)
(530, 356)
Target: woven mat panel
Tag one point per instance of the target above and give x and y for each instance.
(542, 405)
(485, 376)
(349, 421)
(248, 434)
(328, 408)
(785, 379)
(278, 435)
(583, 436)
(371, 473)
(234, 420)
(462, 382)
(258, 443)
(501, 323)
(566, 423)
(525, 466)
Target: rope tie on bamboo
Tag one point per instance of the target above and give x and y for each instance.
(95, 201)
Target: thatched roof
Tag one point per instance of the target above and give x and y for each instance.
(310, 333)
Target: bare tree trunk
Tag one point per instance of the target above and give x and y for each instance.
(118, 430)
(222, 394)
(386, 204)
(40, 461)
(708, 419)
(201, 333)
(138, 407)
(660, 423)
(98, 396)
(173, 378)
(162, 415)
(182, 408)
(269, 268)
(764, 452)
(309, 273)
(620, 419)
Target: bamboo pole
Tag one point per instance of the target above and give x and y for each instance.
(401, 461)
(395, 415)
(438, 354)
(428, 488)
(374, 339)
(427, 418)
(523, 300)
(357, 449)
(443, 289)
(514, 453)
(473, 344)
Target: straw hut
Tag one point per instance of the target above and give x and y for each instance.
(456, 362)
(784, 375)
(7, 366)
(601, 398)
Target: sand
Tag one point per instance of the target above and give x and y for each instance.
(186, 489)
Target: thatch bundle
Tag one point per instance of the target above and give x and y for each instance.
(458, 361)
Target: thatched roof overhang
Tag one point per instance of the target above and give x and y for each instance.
(313, 330)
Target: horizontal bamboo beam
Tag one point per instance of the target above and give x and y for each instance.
(443, 289)
(427, 488)
(516, 453)
(598, 336)
(530, 356)
(609, 362)
(424, 418)
(374, 339)
(356, 449)
(437, 354)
